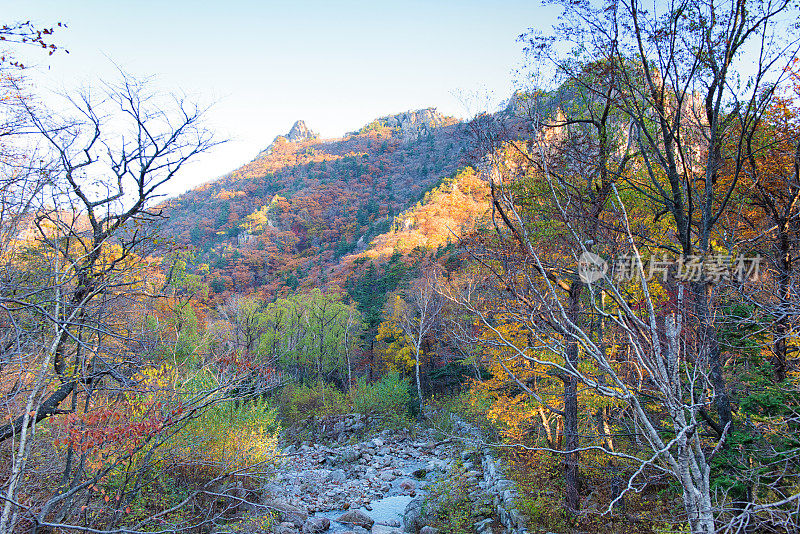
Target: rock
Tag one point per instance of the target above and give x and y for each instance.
(317, 475)
(384, 529)
(490, 467)
(337, 476)
(357, 426)
(285, 528)
(297, 134)
(300, 132)
(408, 485)
(315, 525)
(502, 485)
(436, 465)
(391, 523)
(480, 526)
(420, 473)
(517, 517)
(356, 517)
(412, 516)
(350, 456)
(288, 513)
(428, 530)
(413, 124)
(387, 476)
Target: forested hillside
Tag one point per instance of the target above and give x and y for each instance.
(288, 216)
(576, 314)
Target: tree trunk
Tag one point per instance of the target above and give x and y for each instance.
(782, 326)
(419, 383)
(710, 345)
(571, 437)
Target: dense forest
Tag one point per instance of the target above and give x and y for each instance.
(577, 313)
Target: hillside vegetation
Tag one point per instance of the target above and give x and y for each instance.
(578, 313)
(285, 218)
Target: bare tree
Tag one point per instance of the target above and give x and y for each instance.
(73, 295)
(667, 125)
(420, 315)
(133, 159)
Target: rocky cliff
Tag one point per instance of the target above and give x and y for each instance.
(299, 133)
(413, 124)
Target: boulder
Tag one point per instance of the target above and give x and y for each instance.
(350, 456)
(315, 525)
(436, 465)
(288, 513)
(337, 476)
(420, 473)
(285, 528)
(412, 516)
(480, 526)
(356, 517)
(408, 485)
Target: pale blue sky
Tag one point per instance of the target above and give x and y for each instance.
(337, 65)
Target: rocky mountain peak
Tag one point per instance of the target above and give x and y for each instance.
(300, 132)
(413, 124)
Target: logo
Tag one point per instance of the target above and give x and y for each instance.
(591, 267)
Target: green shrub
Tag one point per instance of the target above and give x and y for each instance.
(224, 438)
(448, 504)
(538, 508)
(390, 396)
(388, 399)
(299, 402)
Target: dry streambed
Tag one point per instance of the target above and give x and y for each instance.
(377, 485)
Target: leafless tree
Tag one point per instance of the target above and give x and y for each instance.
(79, 223)
(675, 118)
(422, 305)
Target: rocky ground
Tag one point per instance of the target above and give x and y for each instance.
(364, 483)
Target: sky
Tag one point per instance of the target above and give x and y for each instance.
(263, 65)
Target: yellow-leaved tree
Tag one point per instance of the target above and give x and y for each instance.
(391, 345)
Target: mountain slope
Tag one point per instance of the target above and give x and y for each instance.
(305, 202)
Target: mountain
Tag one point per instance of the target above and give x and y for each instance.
(289, 216)
(297, 134)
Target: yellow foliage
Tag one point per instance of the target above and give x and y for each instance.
(223, 437)
(392, 346)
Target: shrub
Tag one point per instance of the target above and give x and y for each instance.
(223, 437)
(388, 399)
(390, 396)
(448, 504)
(300, 402)
(231, 436)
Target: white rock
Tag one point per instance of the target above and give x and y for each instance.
(337, 476)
